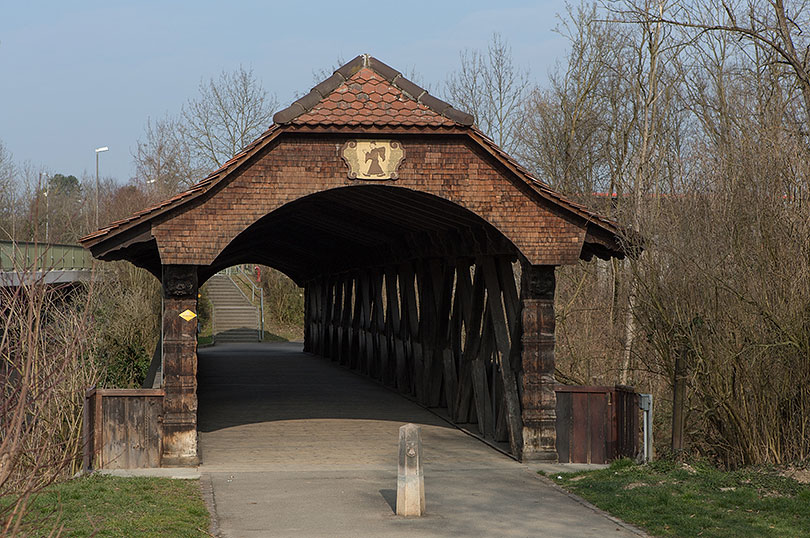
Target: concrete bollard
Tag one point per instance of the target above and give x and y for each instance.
(410, 476)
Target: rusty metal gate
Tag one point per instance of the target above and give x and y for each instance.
(596, 424)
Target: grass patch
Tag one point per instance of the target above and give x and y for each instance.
(669, 498)
(110, 506)
(204, 340)
(272, 337)
(283, 332)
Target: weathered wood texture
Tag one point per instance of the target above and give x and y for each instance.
(539, 401)
(179, 366)
(446, 331)
(596, 424)
(122, 428)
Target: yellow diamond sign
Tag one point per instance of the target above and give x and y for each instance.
(188, 315)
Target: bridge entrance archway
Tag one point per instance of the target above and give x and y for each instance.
(426, 253)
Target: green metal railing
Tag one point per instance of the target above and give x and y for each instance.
(22, 256)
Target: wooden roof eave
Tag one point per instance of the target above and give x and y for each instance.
(113, 236)
(598, 230)
(110, 235)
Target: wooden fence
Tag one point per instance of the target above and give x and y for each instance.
(122, 428)
(596, 424)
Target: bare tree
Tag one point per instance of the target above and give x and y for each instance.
(319, 75)
(768, 23)
(229, 113)
(163, 162)
(490, 87)
(7, 193)
(576, 133)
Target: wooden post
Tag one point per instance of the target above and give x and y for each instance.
(179, 366)
(501, 334)
(307, 317)
(410, 475)
(538, 398)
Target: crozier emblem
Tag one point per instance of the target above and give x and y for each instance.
(372, 159)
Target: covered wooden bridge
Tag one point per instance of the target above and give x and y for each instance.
(426, 253)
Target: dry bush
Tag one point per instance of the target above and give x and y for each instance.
(727, 286)
(46, 367)
(283, 298)
(126, 324)
(716, 181)
(590, 307)
(57, 342)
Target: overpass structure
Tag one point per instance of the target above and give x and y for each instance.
(25, 262)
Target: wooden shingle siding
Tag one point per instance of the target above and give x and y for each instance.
(300, 166)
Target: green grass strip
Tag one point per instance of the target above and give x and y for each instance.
(669, 498)
(110, 506)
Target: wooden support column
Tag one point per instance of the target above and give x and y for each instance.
(538, 398)
(307, 318)
(346, 321)
(179, 366)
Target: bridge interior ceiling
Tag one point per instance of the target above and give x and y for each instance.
(352, 227)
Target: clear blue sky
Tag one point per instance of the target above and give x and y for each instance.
(82, 74)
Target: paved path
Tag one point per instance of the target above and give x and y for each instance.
(294, 445)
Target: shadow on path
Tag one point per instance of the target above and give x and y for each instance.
(254, 383)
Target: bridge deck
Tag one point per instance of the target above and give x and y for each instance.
(274, 407)
(296, 445)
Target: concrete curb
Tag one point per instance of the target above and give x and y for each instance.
(176, 473)
(207, 491)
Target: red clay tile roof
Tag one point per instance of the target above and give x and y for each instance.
(367, 92)
(368, 99)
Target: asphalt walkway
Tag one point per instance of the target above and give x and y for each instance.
(295, 445)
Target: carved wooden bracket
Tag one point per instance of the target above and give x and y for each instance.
(538, 282)
(179, 281)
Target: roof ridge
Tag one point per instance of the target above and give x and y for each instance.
(341, 75)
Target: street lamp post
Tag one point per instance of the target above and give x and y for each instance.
(45, 192)
(47, 207)
(98, 150)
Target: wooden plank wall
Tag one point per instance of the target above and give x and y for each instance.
(596, 424)
(122, 428)
(447, 332)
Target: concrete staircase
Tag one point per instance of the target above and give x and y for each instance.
(235, 318)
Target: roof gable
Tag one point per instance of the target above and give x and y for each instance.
(366, 92)
(367, 95)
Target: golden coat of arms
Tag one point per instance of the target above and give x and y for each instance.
(372, 159)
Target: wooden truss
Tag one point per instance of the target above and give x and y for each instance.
(445, 331)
